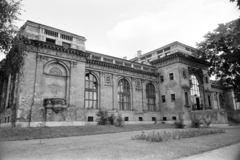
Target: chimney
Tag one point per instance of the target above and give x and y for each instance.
(139, 53)
(125, 57)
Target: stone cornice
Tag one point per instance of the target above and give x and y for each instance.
(115, 66)
(179, 58)
(46, 45)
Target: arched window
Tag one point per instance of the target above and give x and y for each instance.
(91, 91)
(151, 97)
(194, 86)
(124, 95)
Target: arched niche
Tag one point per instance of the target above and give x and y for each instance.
(56, 82)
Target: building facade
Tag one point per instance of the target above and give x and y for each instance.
(65, 84)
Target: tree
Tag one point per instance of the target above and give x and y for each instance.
(238, 3)
(9, 12)
(222, 49)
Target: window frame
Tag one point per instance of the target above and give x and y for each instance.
(171, 76)
(91, 92)
(124, 94)
(151, 97)
(163, 98)
(173, 97)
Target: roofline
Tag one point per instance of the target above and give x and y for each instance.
(170, 44)
(182, 55)
(119, 59)
(45, 26)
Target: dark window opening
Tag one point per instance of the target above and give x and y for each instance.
(66, 45)
(161, 78)
(51, 33)
(96, 57)
(171, 77)
(209, 101)
(164, 118)
(163, 99)
(125, 118)
(172, 97)
(48, 40)
(160, 51)
(148, 56)
(90, 119)
(206, 79)
(174, 118)
(153, 118)
(166, 49)
(186, 98)
(140, 118)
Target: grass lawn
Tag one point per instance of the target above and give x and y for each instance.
(9, 134)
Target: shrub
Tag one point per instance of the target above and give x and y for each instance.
(196, 123)
(119, 120)
(179, 124)
(112, 119)
(168, 136)
(102, 117)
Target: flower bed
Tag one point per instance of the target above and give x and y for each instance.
(168, 136)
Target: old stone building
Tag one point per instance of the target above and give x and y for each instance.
(64, 84)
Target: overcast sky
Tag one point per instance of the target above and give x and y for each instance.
(122, 27)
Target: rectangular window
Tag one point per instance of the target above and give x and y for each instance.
(96, 57)
(171, 77)
(66, 37)
(119, 62)
(166, 49)
(209, 100)
(140, 118)
(161, 78)
(51, 33)
(164, 118)
(174, 118)
(90, 119)
(172, 97)
(153, 118)
(163, 99)
(66, 45)
(186, 98)
(125, 118)
(127, 64)
(160, 51)
(146, 68)
(48, 40)
(148, 56)
(107, 60)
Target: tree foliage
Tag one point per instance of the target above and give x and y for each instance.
(9, 12)
(221, 48)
